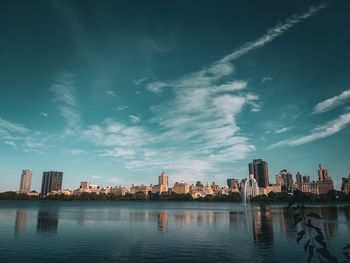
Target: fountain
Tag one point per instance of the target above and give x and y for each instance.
(245, 193)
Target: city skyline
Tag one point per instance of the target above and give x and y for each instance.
(118, 96)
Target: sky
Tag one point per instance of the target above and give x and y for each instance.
(115, 92)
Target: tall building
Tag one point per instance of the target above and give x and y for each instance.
(232, 182)
(259, 169)
(298, 179)
(345, 185)
(26, 180)
(323, 175)
(163, 179)
(52, 181)
(252, 187)
(325, 182)
(306, 179)
(287, 180)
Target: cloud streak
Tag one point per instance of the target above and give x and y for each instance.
(332, 103)
(64, 95)
(317, 133)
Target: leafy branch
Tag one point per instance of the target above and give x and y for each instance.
(315, 244)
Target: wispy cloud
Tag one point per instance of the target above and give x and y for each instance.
(12, 143)
(282, 130)
(111, 93)
(266, 79)
(7, 126)
(332, 103)
(317, 133)
(134, 118)
(64, 95)
(223, 67)
(273, 33)
(44, 114)
(122, 108)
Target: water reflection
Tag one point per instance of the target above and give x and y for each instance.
(262, 226)
(258, 221)
(21, 221)
(162, 221)
(47, 221)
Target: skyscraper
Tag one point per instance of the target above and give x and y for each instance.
(26, 180)
(231, 182)
(52, 181)
(260, 171)
(323, 174)
(287, 180)
(163, 179)
(298, 179)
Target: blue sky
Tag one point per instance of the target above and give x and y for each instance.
(116, 92)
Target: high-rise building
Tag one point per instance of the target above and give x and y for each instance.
(298, 179)
(85, 185)
(52, 181)
(26, 180)
(232, 182)
(323, 175)
(345, 185)
(163, 179)
(306, 179)
(287, 180)
(260, 171)
(325, 182)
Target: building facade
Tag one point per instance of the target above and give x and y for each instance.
(51, 181)
(298, 179)
(345, 185)
(258, 168)
(287, 180)
(231, 182)
(26, 180)
(181, 188)
(163, 179)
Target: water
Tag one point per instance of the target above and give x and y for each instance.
(159, 232)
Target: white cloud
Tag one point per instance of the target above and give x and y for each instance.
(12, 127)
(282, 130)
(332, 103)
(223, 67)
(111, 93)
(266, 79)
(134, 118)
(273, 33)
(118, 152)
(156, 87)
(64, 95)
(317, 133)
(12, 143)
(122, 108)
(44, 114)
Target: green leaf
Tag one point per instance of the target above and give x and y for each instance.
(297, 218)
(324, 252)
(300, 235)
(314, 215)
(320, 240)
(347, 256)
(306, 245)
(311, 253)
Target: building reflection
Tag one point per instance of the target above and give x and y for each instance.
(330, 216)
(286, 221)
(347, 215)
(162, 221)
(21, 221)
(262, 226)
(47, 221)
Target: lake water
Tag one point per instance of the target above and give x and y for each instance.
(159, 232)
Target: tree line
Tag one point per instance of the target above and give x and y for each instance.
(272, 197)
